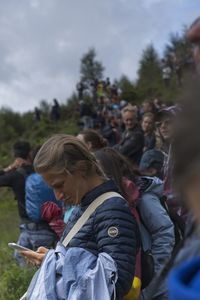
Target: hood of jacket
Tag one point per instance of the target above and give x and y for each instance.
(142, 184)
(152, 185)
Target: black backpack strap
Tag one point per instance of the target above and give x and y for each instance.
(179, 224)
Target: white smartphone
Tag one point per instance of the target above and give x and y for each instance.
(18, 247)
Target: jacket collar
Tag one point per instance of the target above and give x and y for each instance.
(107, 186)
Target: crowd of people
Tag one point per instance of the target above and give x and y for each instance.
(119, 202)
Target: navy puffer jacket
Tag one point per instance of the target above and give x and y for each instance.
(96, 237)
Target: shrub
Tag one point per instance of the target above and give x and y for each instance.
(14, 281)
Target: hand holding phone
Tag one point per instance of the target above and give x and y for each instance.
(18, 247)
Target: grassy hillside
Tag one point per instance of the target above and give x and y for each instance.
(13, 279)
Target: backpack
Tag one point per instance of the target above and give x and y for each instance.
(146, 273)
(37, 192)
(147, 261)
(179, 224)
(134, 194)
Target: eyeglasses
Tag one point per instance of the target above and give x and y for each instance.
(164, 123)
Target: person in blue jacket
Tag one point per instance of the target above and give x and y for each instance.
(73, 172)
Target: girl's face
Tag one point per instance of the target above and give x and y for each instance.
(67, 187)
(147, 124)
(166, 128)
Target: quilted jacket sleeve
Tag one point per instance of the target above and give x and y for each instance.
(117, 234)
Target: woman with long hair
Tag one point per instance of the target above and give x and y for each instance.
(73, 172)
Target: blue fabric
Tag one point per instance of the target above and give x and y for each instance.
(74, 274)
(68, 212)
(33, 239)
(157, 221)
(37, 192)
(94, 237)
(184, 281)
(158, 224)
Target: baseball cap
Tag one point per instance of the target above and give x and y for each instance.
(152, 159)
(170, 112)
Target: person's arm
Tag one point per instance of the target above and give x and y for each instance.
(18, 162)
(117, 235)
(6, 178)
(160, 227)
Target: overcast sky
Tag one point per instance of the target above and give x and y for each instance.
(42, 41)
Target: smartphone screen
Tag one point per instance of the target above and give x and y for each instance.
(18, 247)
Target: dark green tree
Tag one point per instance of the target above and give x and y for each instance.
(44, 106)
(178, 46)
(90, 68)
(11, 124)
(149, 82)
(128, 90)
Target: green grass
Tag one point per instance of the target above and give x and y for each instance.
(13, 279)
(9, 219)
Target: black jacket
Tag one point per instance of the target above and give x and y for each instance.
(16, 181)
(94, 235)
(132, 144)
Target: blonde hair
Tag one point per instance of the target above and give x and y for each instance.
(130, 108)
(61, 153)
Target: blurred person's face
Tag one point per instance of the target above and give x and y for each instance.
(147, 107)
(82, 139)
(165, 127)
(129, 118)
(147, 124)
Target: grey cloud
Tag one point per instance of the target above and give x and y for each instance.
(42, 42)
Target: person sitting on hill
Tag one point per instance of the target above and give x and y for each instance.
(110, 131)
(76, 177)
(165, 124)
(10, 177)
(92, 139)
(132, 141)
(33, 233)
(148, 106)
(148, 124)
(143, 193)
(151, 163)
